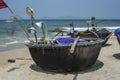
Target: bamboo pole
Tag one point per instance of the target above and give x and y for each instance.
(74, 45)
(19, 23)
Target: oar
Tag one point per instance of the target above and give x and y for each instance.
(74, 45)
(24, 30)
(96, 35)
(29, 11)
(18, 21)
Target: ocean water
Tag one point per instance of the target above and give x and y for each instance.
(11, 33)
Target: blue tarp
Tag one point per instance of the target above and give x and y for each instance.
(68, 40)
(117, 32)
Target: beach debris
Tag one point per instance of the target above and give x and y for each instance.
(23, 59)
(12, 69)
(11, 60)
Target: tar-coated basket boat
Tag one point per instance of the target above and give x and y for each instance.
(102, 34)
(58, 57)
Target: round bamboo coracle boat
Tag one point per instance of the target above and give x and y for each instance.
(94, 33)
(102, 34)
(59, 58)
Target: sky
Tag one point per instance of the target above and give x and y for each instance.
(57, 9)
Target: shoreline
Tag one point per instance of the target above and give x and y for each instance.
(12, 47)
(105, 68)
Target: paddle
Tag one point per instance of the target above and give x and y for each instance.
(74, 45)
(32, 30)
(29, 11)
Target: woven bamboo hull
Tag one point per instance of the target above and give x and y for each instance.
(59, 58)
(105, 37)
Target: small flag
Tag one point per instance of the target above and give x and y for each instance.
(39, 24)
(2, 4)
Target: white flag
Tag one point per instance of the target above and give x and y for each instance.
(39, 24)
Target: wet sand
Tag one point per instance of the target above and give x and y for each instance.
(106, 67)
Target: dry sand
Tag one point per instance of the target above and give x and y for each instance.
(106, 67)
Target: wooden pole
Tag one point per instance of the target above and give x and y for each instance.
(74, 45)
(16, 19)
(43, 31)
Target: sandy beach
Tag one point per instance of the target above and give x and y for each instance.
(106, 67)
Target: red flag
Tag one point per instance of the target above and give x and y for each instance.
(2, 4)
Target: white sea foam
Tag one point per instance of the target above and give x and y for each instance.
(111, 28)
(85, 28)
(13, 42)
(2, 46)
(8, 21)
(78, 28)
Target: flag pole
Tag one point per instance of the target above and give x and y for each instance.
(10, 9)
(17, 20)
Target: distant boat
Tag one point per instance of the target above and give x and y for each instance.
(117, 33)
(94, 33)
(102, 34)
